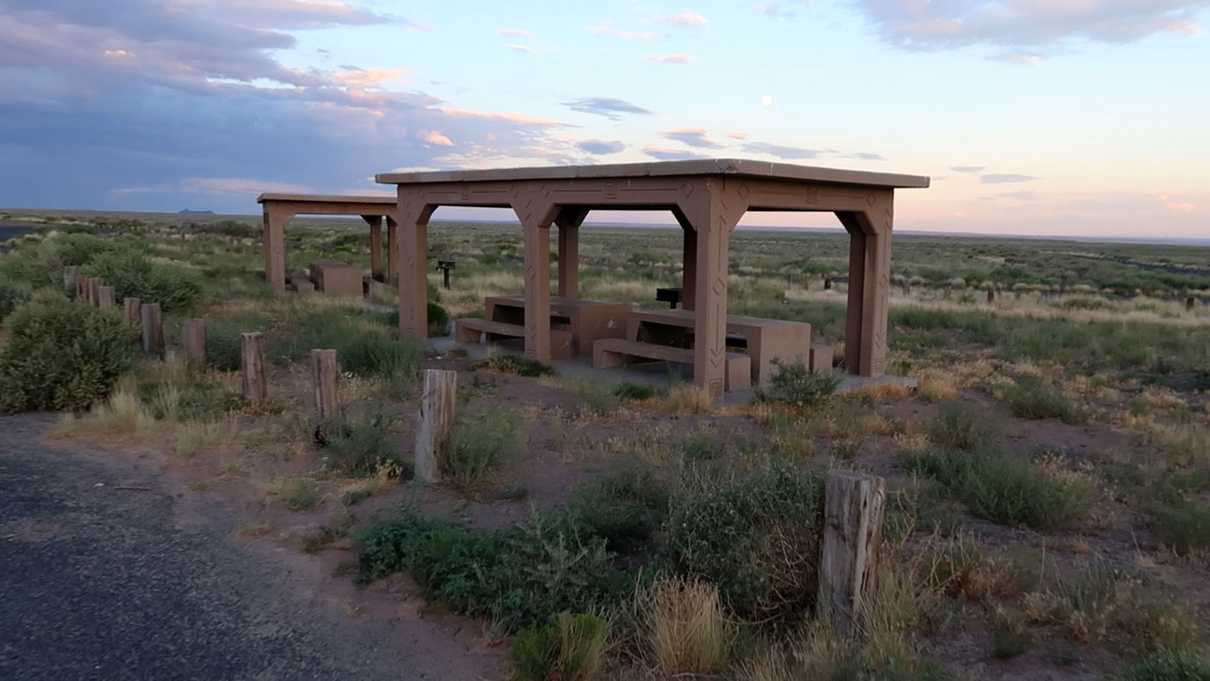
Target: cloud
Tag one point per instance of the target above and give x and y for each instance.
(605, 106)
(738, 135)
(678, 58)
(946, 24)
(868, 156)
(1020, 57)
(436, 139)
(694, 137)
(684, 18)
(766, 101)
(1018, 196)
(1005, 178)
(967, 169)
(781, 151)
(600, 147)
(780, 10)
(666, 154)
(180, 99)
(519, 47)
(608, 31)
(515, 33)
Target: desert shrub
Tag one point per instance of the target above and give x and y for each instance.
(625, 507)
(1183, 524)
(958, 426)
(1171, 665)
(1029, 398)
(520, 365)
(62, 355)
(520, 576)
(633, 391)
(572, 647)
(482, 441)
(12, 294)
(200, 401)
(132, 273)
(793, 383)
(300, 494)
(363, 348)
(223, 337)
(356, 443)
(439, 320)
(687, 628)
(1007, 489)
(737, 534)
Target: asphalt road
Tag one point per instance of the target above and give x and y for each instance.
(98, 580)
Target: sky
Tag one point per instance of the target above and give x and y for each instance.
(1043, 117)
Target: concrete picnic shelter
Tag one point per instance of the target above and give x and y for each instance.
(707, 198)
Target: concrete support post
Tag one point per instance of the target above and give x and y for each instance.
(713, 214)
(434, 431)
(324, 372)
(413, 264)
(537, 292)
(689, 274)
(869, 286)
(274, 239)
(153, 329)
(569, 222)
(375, 222)
(849, 552)
(252, 366)
(193, 342)
(392, 248)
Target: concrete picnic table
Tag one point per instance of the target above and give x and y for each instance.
(766, 340)
(707, 198)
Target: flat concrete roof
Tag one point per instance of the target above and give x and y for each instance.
(326, 198)
(723, 166)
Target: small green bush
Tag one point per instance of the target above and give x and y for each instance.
(482, 442)
(1183, 524)
(1007, 489)
(570, 648)
(958, 426)
(62, 355)
(520, 576)
(508, 363)
(132, 273)
(1171, 665)
(793, 383)
(362, 347)
(737, 534)
(636, 392)
(223, 337)
(12, 294)
(626, 507)
(1030, 398)
(356, 443)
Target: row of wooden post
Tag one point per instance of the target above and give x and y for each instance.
(853, 503)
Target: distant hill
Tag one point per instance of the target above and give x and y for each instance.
(196, 212)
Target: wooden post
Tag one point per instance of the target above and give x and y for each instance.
(70, 276)
(130, 310)
(848, 558)
(105, 297)
(252, 362)
(193, 341)
(434, 431)
(153, 329)
(375, 223)
(991, 295)
(94, 290)
(324, 370)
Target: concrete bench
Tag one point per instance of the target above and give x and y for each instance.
(483, 331)
(335, 279)
(613, 352)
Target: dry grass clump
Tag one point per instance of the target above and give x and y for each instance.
(122, 414)
(935, 386)
(193, 436)
(687, 629)
(684, 399)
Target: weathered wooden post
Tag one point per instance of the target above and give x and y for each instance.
(94, 288)
(324, 370)
(991, 295)
(153, 329)
(1190, 302)
(193, 341)
(433, 433)
(252, 363)
(848, 557)
(130, 309)
(105, 297)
